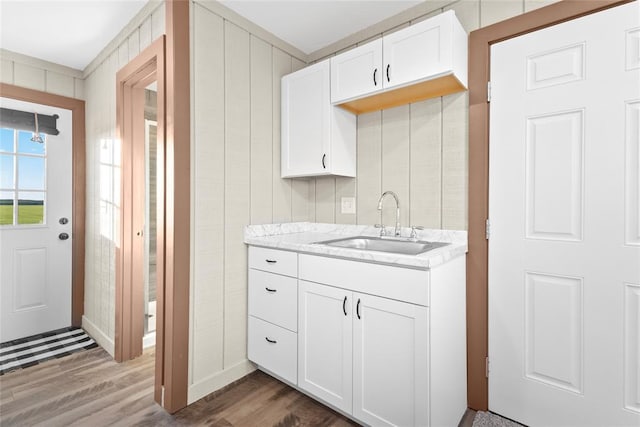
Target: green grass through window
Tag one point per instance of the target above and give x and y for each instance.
(27, 214)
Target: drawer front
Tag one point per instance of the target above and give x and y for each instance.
(273, 348)
(402, 284)
(274, 298)
(273, 261)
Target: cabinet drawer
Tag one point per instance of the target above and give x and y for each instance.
(402, 284)
(274, 298)
(273, 348)
(273, 260)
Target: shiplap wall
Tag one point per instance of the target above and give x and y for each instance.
(103, 170)
(32, 73)
(419, 151)
(236, 181)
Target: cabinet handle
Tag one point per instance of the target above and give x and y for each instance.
(271, 290)
(358, 309)
(270, 340)
(324, 156)
(388, 78)
(375, 83)
(271, 261)
(344, 306)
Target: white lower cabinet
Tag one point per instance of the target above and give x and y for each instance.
(397, 358)
(390, 370)
(325, 334)
(364, 355)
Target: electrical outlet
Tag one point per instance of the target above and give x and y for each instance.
(348, 205)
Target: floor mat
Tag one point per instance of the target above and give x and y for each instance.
(488, 419)
(30, 351)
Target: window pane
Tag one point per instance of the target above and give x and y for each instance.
(6, 208)
(26, 145)
(31, 173)
(6, 171)
(6, 140)
(31, 208)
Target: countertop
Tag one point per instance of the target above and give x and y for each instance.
(302, 237)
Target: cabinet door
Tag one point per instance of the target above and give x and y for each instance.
(356, 72)
(324, 343)
(390, 362)
(306, 127)
(419, 51)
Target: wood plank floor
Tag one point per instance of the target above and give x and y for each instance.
(90, 389)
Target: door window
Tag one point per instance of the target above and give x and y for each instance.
(23, 165)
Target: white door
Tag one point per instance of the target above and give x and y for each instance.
(390, 354)
(357, 72)
(325, 333)
(35, 196)
(564, 255)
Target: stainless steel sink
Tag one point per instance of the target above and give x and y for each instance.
(378, 244)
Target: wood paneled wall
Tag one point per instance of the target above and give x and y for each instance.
(236, 173)
(33, 73)
(103, 173)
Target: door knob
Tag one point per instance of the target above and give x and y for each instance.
(63, 220)
(63, 236)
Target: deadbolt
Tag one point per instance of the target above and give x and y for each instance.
(63, 236)
(63, 220)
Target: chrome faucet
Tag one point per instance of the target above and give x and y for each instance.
(395, 196)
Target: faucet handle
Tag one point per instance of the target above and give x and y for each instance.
(414, 234)
(383, 230)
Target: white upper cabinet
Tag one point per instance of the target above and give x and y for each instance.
(350, 70)
(317, 137)
(425, 60)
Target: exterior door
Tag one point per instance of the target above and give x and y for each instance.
(35, 215)
(564, 247)
(325, 332)
(390, 372)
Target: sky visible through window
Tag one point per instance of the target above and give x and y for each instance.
(30, 165)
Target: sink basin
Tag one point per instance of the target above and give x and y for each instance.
(397, 246)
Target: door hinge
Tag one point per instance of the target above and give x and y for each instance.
(487, 229)
(486, 367)
(488, 91)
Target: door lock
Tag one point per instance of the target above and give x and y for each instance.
(63, 236)
(63, 220)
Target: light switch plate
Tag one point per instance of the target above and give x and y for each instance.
(348, 205)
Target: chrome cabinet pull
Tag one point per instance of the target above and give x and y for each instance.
(344, 306)
(270, 340)
(271, 261)
(375, 83)
(271, 290)
(324, 156)
(358, 309)
(388, 78)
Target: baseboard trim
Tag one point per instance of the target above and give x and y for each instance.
(214, 382)
(98, 336)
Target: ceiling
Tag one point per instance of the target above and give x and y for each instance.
(310, 25)
(73, 32)
(66, 32)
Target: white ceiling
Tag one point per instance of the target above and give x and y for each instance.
(73, 32)
(67, 32)
(310, 25)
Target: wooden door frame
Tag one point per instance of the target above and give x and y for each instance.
(76, 106)
(169, 58)
(131, 80)
(480, 42)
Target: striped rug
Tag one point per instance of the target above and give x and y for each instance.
(30, 351)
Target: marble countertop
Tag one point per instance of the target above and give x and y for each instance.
(303, 237)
